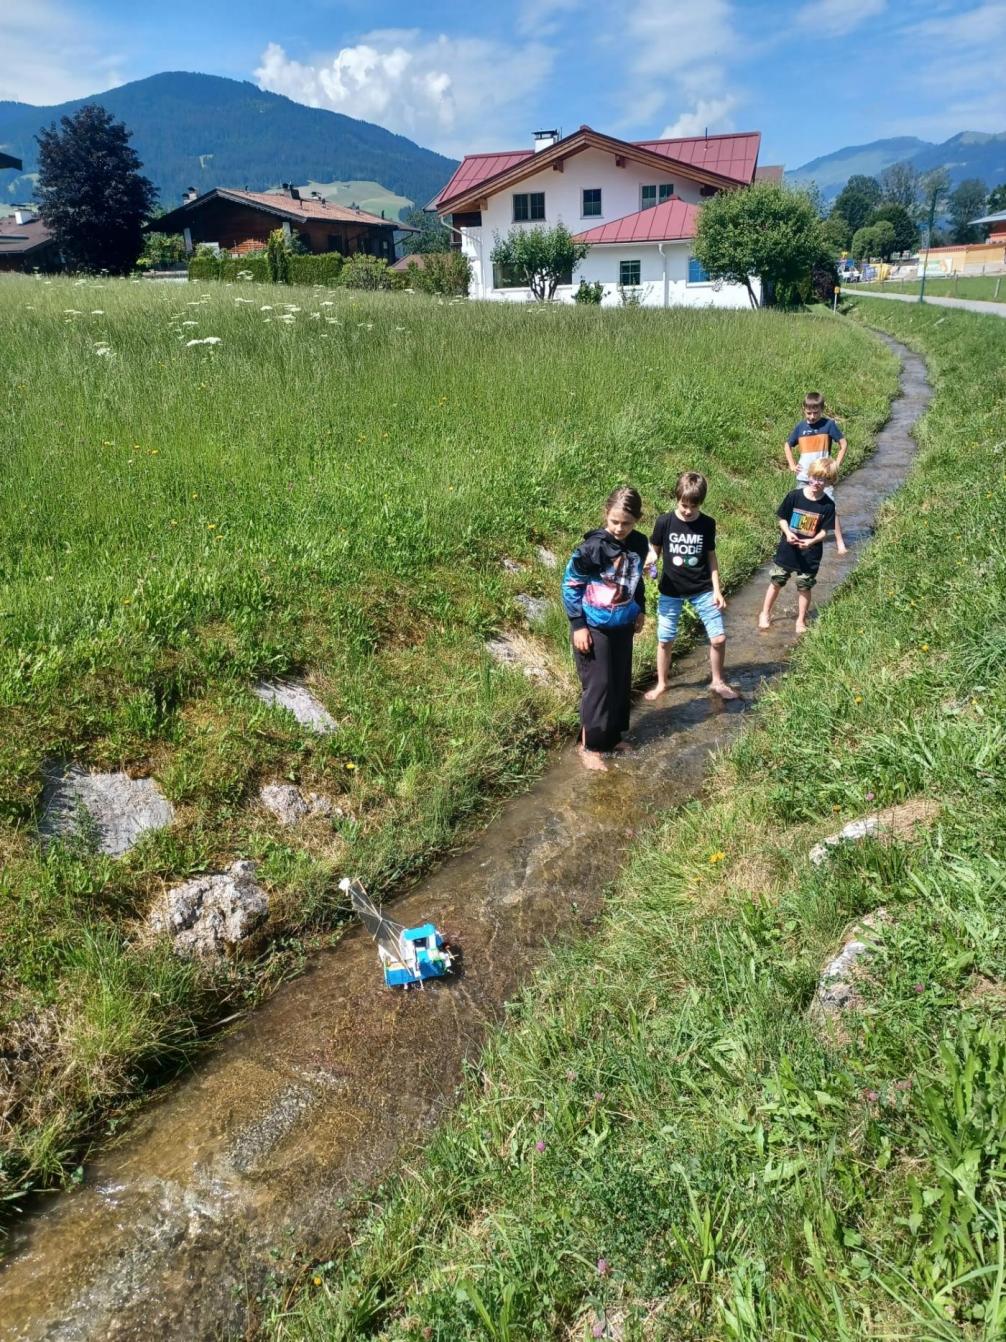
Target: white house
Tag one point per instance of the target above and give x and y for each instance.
(635, 202)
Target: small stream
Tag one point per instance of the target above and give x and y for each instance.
(251, 1163)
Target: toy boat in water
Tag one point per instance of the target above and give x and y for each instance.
(408, 954)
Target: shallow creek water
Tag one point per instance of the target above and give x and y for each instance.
(251, 1162)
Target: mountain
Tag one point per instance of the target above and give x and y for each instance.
(967, 154)
(205, 131)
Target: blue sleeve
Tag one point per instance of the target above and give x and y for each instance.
(579, 572)
(835, 432)
(794, 437)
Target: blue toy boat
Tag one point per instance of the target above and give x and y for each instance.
(408, 954)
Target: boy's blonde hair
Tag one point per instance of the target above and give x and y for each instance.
(823, 469)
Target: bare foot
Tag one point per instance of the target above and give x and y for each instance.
(764, 623)
(841, 549)
(721, 688)
(655, 693)
(592, 760)
(800, 628)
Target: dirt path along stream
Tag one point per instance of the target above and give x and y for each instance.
(255, 1158)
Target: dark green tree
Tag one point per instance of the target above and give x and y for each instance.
(965, 203)
(836, 232)
(874, 240)
(996, 202)
(906, 233)
(855, 206)
(764, 230)
(865, 186)
(433, 236)
(91, 193)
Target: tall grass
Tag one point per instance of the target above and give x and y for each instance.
(330, 489)
(663, 1142)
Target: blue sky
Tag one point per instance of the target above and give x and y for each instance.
(812, 75)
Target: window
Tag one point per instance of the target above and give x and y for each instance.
(591, 202)
(505, 277)
(696, 274)
(656, 195)
(628, 274)
(529, 205)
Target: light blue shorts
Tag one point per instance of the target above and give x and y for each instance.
(669, 613)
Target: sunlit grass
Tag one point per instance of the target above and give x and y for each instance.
(329, 488)
(988, 288)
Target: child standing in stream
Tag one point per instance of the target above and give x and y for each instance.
(685, 539)
(812, 439)
(806, 515)
(604, 597)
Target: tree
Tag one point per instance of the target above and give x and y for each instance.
(278, 257)
(874, 240)
(91, 193)
(865, 186)
(836, 232)
(855, 206)
(766, 230)
(433, 236)
(541, 258)
(997, 199)
(906, 234)
(900, 184)
(967, 202)
(933, 191)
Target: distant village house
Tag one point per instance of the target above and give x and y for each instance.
(241, 221)
(26, 243)
(635, 202)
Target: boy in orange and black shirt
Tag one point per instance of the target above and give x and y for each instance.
(813, 438)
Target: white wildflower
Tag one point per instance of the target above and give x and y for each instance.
(327, 303)
(314, 316)
(291, 307)
(266, 307)
(206, 340)
(72, 312)
(190, 323)
(97, 312)
(245, 300)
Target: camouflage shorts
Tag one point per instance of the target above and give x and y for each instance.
(780, 576)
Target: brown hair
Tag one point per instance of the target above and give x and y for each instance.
(690, 487)
(628, 499)
(813, 401)
(825, 468)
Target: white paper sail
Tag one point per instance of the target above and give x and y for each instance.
(385, 931)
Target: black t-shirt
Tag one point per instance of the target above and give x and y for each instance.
(685, 548)
(806, 517)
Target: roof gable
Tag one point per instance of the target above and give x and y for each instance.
(718, 160)
(283, 205)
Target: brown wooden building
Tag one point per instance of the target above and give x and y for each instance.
(241, 221)
(26, 243)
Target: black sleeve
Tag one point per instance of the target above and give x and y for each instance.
(640, 593)
(711, 534)
(828, 516)
(659, 532)
(785, 508)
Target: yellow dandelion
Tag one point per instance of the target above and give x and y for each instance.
(211, 526)
(350, 764)
(925, 647)
(859, 698)
(317, 1281)
(716, 857)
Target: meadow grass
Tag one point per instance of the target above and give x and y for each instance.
(988, 288)
(663, 1142)
(331, 489)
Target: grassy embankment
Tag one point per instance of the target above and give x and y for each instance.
(332, 488)
(662, 1143)
(988, 288)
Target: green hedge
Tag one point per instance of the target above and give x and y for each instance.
(324, 268)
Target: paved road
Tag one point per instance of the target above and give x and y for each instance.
(968, 304)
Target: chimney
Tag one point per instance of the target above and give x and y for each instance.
(545, 139)
(24, 215)
(190, 194)
(294, 193)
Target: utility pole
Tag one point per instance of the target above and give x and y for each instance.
(929, 239)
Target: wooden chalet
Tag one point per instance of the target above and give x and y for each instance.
(241, 221)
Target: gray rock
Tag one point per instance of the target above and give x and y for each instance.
(513, 650)
(836, 988)
(212, 915)
(289, 805)
(297, 699)
(850, 833)
(513, 566)
(534, 607)
(111, 809)
(547, 557)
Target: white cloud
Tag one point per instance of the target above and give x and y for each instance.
(683, 59)
(712, 114)
(835, 18)
(544, 18)
(48, 55)
(953, 72)
(452, 94)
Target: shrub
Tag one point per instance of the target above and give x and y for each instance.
(447, 273)
(316, 268)
(323, 268)
(542, 258)
(278, 257)
(368, 272)
(589, 293)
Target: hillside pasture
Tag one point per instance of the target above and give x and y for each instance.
(205, 486)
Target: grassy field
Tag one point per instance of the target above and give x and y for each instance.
(662, 1143)
(369, 196)
(330, 489)
(989, 288)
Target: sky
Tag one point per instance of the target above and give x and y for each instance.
(811, 75)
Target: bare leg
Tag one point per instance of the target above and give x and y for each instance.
(717, 653)
(591, 759)
(771, 597)
(840, 545)
(802, 610)
(664, 651)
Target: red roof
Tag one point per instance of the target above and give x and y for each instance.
(672, 220)
(731, 156)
